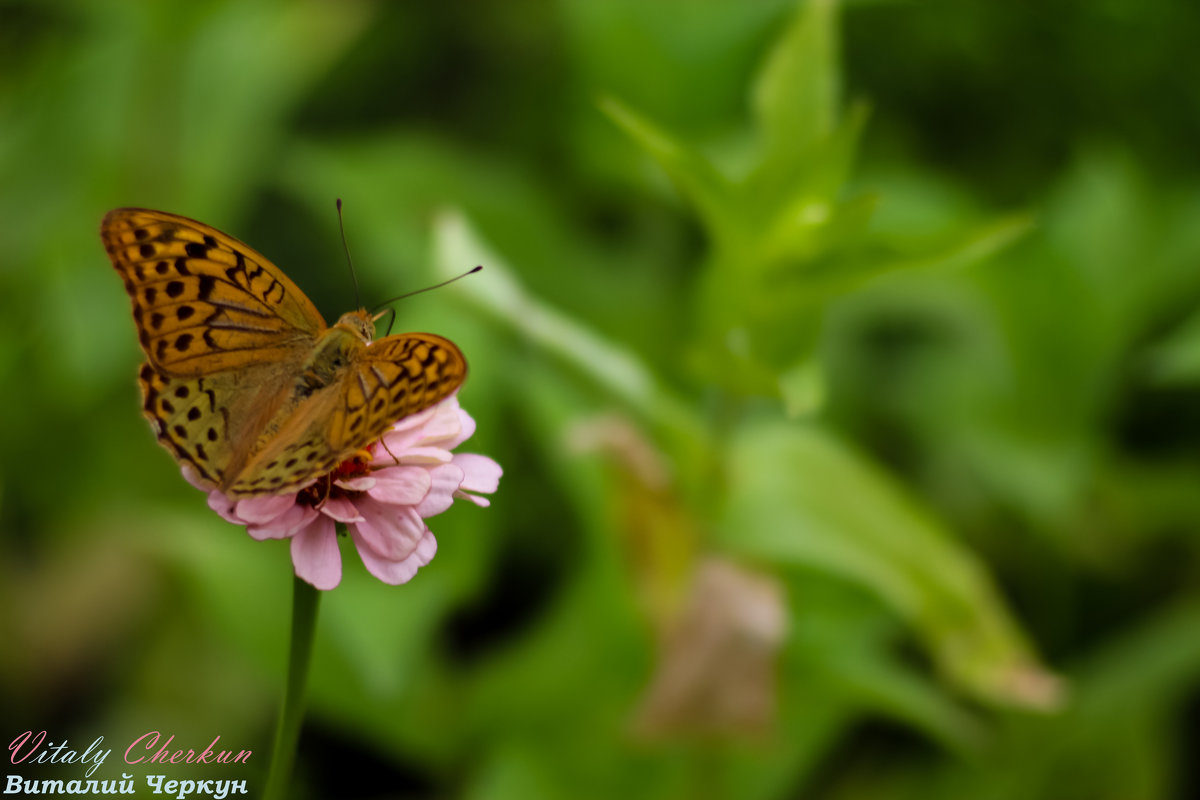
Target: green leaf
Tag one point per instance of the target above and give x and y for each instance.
(795, 96)
(800, 496)
(962, 250)
(892, 689)
(515, 771)
(1177, 360)
(813, 229)
(707, 189)
(789, 192)
(500, 295)
(803, 388)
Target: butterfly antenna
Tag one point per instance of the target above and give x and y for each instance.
(471, 271)
(349, 260)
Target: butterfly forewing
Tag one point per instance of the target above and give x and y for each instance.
(202, 300)
(232, 348)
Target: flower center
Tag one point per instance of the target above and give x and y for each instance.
(326, 486)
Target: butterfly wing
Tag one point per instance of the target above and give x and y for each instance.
(203, 301)
(384, 382)
(209, 421)
(397, 376)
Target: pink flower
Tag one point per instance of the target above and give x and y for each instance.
(383, 496)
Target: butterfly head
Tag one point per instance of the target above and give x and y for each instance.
(360, 323)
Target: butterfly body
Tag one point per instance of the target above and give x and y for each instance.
(243, 380)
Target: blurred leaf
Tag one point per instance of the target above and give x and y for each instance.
(498, 293)
(799, 496)
(795, 99)
(803, 389)
(514, 773)
(379, 636)
(709, 191)
(242, 63)
(1177, 360)
(969, 247)
(796, 94)
(809, 221)
(1110, 743)
(892, 690)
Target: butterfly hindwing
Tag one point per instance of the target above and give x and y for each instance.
(210, 421)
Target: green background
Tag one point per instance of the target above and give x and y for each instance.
(890, 305)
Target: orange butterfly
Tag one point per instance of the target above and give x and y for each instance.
(243, 380)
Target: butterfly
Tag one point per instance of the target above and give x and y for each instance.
(243, 380)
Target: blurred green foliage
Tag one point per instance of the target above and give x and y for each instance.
(888, 310)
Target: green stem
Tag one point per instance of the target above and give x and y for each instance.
(305, 601)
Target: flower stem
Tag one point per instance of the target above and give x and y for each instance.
(305, 602)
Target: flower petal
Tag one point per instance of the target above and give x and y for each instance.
(388, 531)
(403, 486)
(424, 455)
(401, 571)
(404, 434)
(446, 479)
(340, 509)
(480, 473)
(257, 510)
(392, 443)
(224, 507)
(360, 484)
(445, 425)
(415, 421)
(315, 554)
(420, 438)
(478, 500)
(284, 525)
(466, 424)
